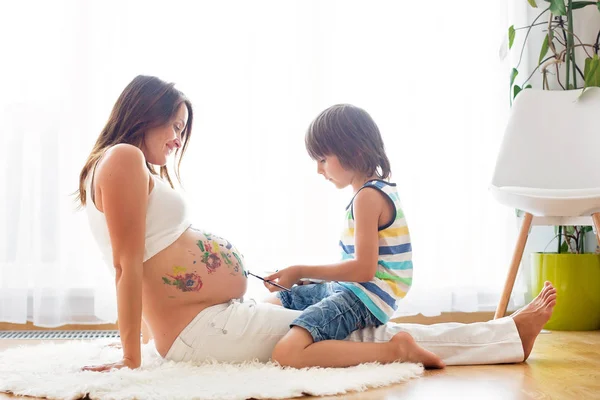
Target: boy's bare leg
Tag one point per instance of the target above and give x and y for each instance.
(298, 350)
(531, 319)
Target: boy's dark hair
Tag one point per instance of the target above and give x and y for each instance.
(349, 133)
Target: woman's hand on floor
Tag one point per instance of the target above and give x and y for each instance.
(124, 363)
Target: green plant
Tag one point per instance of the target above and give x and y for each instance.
(571, 239)
(560, 41)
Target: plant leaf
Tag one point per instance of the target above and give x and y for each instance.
(557, 7)
(591, 71)
(528, 86)
(511, 36)
(513, 75)
(544, 49)
(564, 248)
(599, 6)
(587, 229)
(532, 3)
(516, 90)
(580, 4)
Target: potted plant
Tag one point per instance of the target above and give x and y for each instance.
(575, 267)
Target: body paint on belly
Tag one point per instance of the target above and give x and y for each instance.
(183, 280)
(210, 258)
(214, 254)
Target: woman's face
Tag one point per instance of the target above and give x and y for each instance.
(160, 142)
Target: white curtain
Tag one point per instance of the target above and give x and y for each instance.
(257, 73)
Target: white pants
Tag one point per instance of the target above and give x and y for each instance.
(241, 331)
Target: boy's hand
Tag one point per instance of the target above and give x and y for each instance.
(286, 277)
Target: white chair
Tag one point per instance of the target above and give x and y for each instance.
(549, 165)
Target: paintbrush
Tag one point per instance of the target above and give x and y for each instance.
(270, 282)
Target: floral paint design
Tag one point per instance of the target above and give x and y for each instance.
(216, 251)
(209, 257)
(183, 280)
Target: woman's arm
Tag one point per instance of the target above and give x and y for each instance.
(123, 181)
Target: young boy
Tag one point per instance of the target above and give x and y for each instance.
(376, 267)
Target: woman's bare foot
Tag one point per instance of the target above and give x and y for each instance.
(531, 319)
(408, 350)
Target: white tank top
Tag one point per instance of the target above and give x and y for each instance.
(166, 219)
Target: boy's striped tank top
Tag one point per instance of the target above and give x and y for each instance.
(393, 278)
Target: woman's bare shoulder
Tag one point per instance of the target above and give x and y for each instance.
(123, 153)
(121, 163)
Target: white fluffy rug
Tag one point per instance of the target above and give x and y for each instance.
(52, 370)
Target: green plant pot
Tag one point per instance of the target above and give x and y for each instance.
(576, 278)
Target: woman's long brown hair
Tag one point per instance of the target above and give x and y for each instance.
(147, 102)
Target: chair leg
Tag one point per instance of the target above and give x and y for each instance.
(596, 218)
(514, 267)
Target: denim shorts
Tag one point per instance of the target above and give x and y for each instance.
(330, 311)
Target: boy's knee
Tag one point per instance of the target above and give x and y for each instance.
(285, 354)
(288, 352)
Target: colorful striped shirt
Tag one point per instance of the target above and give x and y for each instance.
(393, 277)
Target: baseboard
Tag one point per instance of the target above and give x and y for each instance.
(4, 326)
(461, 317)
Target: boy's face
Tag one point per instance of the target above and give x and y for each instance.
(332, 170)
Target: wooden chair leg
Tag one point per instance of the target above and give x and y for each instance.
(596, 218)
(514, 267)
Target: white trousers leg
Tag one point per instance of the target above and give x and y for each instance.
(246, 331)
(491, 342)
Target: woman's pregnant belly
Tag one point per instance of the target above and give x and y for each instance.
(197, 271)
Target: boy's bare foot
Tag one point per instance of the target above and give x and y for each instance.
(531, 319)
(408, 350)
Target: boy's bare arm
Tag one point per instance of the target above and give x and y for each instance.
(368, 206)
